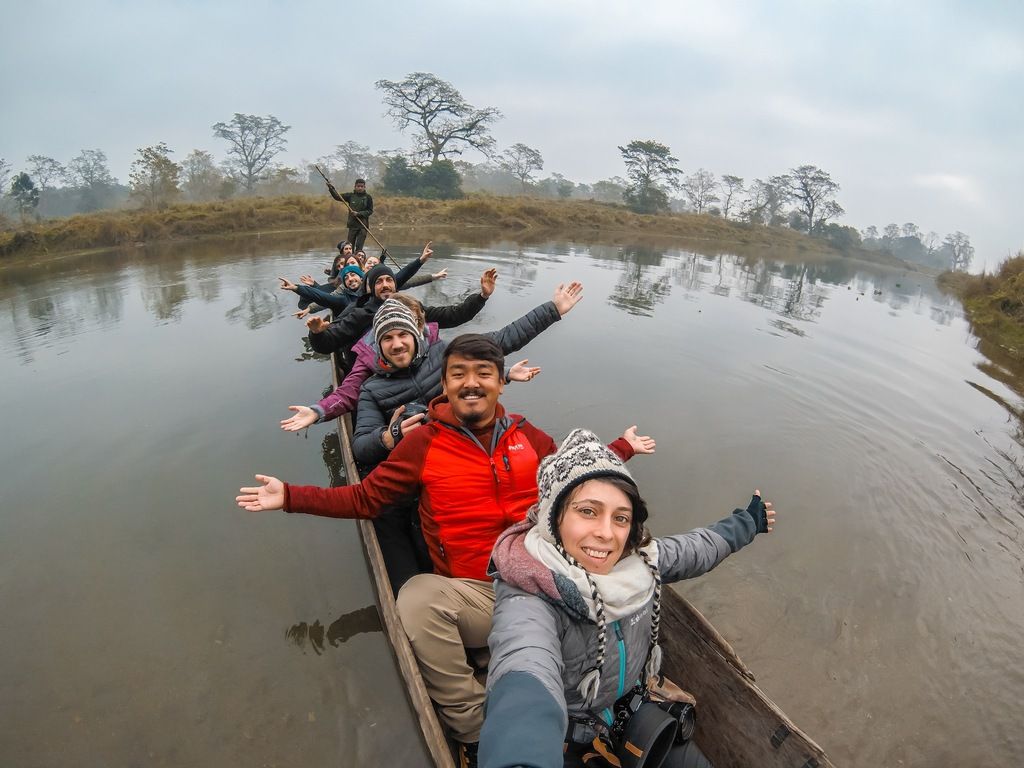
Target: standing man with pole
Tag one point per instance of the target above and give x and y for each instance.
(360, 208)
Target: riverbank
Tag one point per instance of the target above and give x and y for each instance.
(514, 216)
(994, 303)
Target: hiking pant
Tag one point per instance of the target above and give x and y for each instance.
(442, 618)
(357, 236)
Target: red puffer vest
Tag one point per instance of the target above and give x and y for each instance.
(470, 495)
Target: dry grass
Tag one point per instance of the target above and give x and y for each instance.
(994, 303)
(516, 216)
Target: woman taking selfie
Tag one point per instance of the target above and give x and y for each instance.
(574, 643)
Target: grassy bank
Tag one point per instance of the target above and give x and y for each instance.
(994, 303)
(512, 215)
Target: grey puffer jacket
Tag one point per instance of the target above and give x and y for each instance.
(387, 389)
(540, 653)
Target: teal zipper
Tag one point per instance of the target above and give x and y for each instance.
(607, 714)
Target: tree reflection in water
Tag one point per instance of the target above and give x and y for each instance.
(257, 308)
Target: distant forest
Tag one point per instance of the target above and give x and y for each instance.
(443, 126)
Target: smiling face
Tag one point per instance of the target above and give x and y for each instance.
(384, 286)
(473, 387)
(595, 524)
(370, 263)
(353, 281)
(398, 348)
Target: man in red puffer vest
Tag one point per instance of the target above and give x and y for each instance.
(474, 468)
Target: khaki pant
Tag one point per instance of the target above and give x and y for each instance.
(443, 617)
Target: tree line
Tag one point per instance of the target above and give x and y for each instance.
(443, 126)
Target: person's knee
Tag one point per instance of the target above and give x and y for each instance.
(418, 601)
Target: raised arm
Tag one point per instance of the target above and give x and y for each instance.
(405, 273)
(519, 333)
(454, 315)
(526, 712)
(691, 554)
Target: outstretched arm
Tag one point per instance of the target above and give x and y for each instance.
(394, 481)
(691, 554)
(526, 711)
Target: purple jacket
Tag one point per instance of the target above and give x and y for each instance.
(344, 398)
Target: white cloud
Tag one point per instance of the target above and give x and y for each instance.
(963, 188)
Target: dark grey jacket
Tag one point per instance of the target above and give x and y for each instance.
(383, 392)
(539, 654)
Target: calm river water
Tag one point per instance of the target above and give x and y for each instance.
(148, 621)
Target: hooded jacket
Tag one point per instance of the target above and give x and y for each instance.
(389, 388)
(468, 493)
(541, 648)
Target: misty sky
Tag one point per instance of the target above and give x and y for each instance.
(915, 108)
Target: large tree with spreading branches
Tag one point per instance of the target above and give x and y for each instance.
(445, 125)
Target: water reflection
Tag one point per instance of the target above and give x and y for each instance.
(339, 631)
(896, 447)
(259, 306)
(638, 294)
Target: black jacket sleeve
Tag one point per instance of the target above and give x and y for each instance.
(521, 332)
(345, 331)
(410, 269)
(453, 315)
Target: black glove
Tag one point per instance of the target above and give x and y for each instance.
(758, 513)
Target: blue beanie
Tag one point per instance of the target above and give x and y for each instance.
(350, 269)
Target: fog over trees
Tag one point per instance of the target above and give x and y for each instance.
(445, 130)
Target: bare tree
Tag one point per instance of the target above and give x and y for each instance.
(154, 177)
(522, 161)
(910, 229)
(699, 188)
(5, 174)
(45, 170)
(730, 187)
(255, 141)
(813, 190)
(351, 161)
(445, 124)
(764, 202)
(891, 232)
(961, 251)
(201, 179)
(88, 172)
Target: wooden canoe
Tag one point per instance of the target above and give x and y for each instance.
(738, 726)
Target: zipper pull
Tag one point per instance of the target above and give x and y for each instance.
(494, 471)
(618, 631)
(504, 458)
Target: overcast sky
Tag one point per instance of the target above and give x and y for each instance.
(914, 107)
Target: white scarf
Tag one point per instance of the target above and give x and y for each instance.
(624, 591)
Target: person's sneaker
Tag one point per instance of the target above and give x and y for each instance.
(467, 754)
